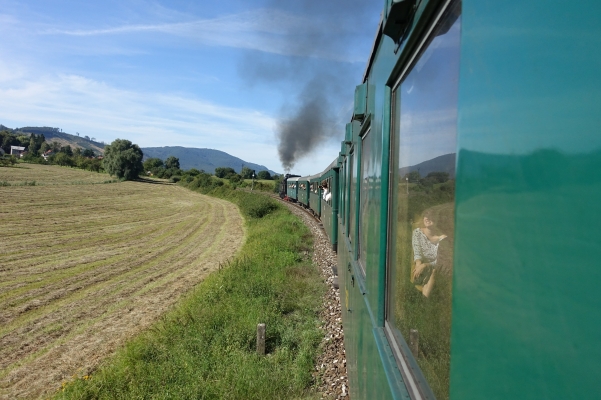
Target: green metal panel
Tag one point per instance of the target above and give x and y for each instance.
(293, 191)
(303, 192)
(526, 316)
(315, 198)
(360, 109)
(348, 138)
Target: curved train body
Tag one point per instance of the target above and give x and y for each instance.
(466, 204)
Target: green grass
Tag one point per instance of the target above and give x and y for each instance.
(260, 184)
(205, 348)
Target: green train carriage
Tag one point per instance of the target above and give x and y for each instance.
(315, 194)
(329, 207)
(467, 196)
(292, 188)
(303, 191)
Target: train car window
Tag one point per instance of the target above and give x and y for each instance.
(420, 263)
(342, 197)
(364, 221)
(352, 174)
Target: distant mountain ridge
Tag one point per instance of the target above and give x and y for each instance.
(445, 163)
(202, 159)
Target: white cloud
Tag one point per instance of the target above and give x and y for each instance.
(267, 30)
(95, 109)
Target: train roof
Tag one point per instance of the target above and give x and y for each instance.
(295, 179)
(313, 177)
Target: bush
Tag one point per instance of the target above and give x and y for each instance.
(7, 160)
(257, 206)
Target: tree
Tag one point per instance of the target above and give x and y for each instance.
(172, 162)
(413, 176)
(152, 163)
(44, 148)
(224, 172)
(88, 153)
(235, 178)
(123, 159)
(264, 175)
(34, 147)
(246, 173)
(67, 150)
(438, 177)
(63, 159)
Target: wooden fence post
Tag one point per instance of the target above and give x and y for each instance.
(261, 339)
(414, 342)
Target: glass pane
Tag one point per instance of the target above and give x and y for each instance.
(343, 193)
(353, 190)
(424, 136)
(364, 191)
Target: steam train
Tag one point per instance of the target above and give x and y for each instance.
(465, 203)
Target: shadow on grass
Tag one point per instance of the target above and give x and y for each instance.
(153, 181)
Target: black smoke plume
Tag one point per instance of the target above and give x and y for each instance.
(320, 78)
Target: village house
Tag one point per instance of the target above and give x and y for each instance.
(17, 151)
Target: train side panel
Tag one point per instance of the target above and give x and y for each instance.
(315, 197)
(303, 191)
(293, 189)
(527, 277)
(330, 207)
(519, 237)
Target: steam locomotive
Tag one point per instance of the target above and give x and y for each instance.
(465, 203)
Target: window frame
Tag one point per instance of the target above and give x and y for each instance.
(365, 131)
(416, 384)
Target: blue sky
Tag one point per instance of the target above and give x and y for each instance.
(223, 74)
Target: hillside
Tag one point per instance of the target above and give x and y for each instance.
(57, 135)
(445, 163)
(202, 159)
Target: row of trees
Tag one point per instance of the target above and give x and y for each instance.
(163, 169)
(245, 173)
(8, 139)
(36, 145)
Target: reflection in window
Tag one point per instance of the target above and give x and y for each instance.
(364, 191)
(422, 223)
(342, 196)
(352, 174)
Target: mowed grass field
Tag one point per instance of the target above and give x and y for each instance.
(85, 266)
(37, 174)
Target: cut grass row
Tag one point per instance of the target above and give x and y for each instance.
(96, 267)
(45, 175)
(205, 348)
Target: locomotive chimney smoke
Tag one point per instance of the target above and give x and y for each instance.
(302, 132)
(318, 66)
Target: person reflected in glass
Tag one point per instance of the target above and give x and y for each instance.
(425, 254)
